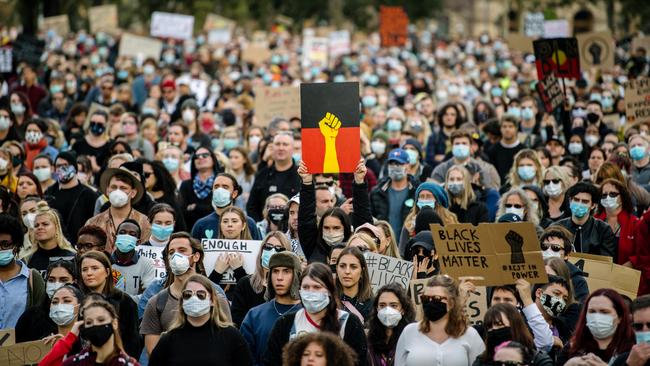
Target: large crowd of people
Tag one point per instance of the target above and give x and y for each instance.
(101, 153)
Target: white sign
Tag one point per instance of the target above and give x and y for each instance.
(156, 254)
(383, 270)
(214, 247)
(170, 25)
(339, 43)
(314, 50)
(556, 28)
(140, 47)
(534, 24)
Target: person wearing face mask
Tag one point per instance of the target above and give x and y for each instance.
(502, 154)
(64, 312)
(394, 124)
(137, 272)
(595, 117)
(201, 325)
(530, 134)
(391, 311)
(318, 295)
(438, 144)
(379, 148)
(124, 189)
(417, 168)
(526, 169)
(638, 145)
(140, 146)
(190, 117)
(422, 250)
(591, 235)
(551, 299)
(604, 332)
(282, 292)
(442, 335)
(143, 83)
(639, 354)
(44, 170)
(102, 330)
(163, 221)
(463, 199)
(35, 143)
(95, 143)
(274, 214)
(7, 125)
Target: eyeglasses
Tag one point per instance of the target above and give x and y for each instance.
(610, 194)
(202, 156)
(4, 245)
(554, 181)
(277, 249)
(201, 294)
(554, 247)
(516, 205)
(428, 299)
(639, 326)
(88, 246)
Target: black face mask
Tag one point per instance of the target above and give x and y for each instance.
(592, 117)
(276, 216)
(497, 336)
(97, 335)
(434, 310)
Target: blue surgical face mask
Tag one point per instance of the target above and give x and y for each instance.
(642, 337)
(578, 209)
(266, 257)
(393, 125)
(296, 157)
(369, 101)
(527, 114)
(515, 111)
(460, 151)
(162, 232)
(125, 243)
(426, 203)
(221, 197)
(413, 156)
(230, 143)
(638, 153)
(6, 256)
(314, 301)
(171, 164)
(526, 173)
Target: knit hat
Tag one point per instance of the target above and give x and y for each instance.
(69, 156)
(289, 260)
(438, 192)
(169, 83)
(415, 143)
(380, 135)
(190, 103)
(423, 239)
(284, 259)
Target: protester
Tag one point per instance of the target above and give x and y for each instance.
(64, 311)
(318, 349)
(137, 272)
(353, 283)
(49, 244)
(463, 200)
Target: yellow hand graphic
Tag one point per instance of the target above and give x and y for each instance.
(329, 126)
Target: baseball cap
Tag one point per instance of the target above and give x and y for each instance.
(398, 155)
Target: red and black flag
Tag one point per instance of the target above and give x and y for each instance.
(560, 56)
(330, 127)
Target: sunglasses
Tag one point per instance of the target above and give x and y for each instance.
(554, 181)
(611, 194)
(424, 299)
(277, 249)
(554, 247)
(639, 326)
(201, 294)
(202, 156)
(516, 205)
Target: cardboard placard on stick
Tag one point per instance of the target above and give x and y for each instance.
(637, 100)
(7, 337)
(249, 249)
(26, 353)
(519, 42)
(601, 273)
(556, 28)
(393, 26)
(330, 126)
(499, 253)
(271, 102)
(315, 51)
(383, 270)
(557, 55)
(140, 47)
(103, 18)
(550, 92)
(171, 25)
(59, 24)
(597, 50)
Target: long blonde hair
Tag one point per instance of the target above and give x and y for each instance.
(446, 216)
(43, 209)
(372, 245)
(513, 176)
(258, 279)
(245, 234)
(531, 213)
(391, 250)
(467, 195)
(457, 323)
(217, 315)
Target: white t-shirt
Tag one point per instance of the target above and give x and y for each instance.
(415, 348)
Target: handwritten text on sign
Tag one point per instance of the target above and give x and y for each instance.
(155, 253)
(499, 253)
(27, 353)
(273, 102)
(384, 270)
(214, 247)
(637, 100)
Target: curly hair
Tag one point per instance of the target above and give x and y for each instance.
(337, 352)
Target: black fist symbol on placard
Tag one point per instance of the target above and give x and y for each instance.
(516, 243)
(595, 50)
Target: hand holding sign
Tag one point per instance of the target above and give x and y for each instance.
(222, 263)
(329, 127)
(523, 288)
(235, 260)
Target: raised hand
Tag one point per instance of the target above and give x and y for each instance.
(360, 172)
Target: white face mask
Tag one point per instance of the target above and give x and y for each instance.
(553, 189)
(389, 317)
(62, 314)
(28, 220)
(179, 264)
(600, 325)
(195, 307)
(332, 239)
(118, 198)
(188, 115)
(549, 253)
(3, 164)
(517, 211)
(51, 288)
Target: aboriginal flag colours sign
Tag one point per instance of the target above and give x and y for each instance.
(560, 56)
(330, 127)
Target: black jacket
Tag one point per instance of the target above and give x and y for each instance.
(127, 311)
(379, 205)
(269, 181)
(244, 298)
(475, 213)
(187, 197)
(580, 287)
(315, 249)
(594, 237)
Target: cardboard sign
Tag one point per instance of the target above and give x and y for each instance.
(550, 92)
(7, 337)
(315, 51)
(271, 102)
(416, 288)
(601, 273)
(393, 26)
(330, 126)
(171, 25)
(383, 270)
(140, 47)
(339, 43)
(6, 59)
(641, 42)
(214, 247)
(520, 42)
(597, 50)
(256, 54)
(534, 24)
(556, 28)
(26, 353)
(214, 21)
(500, 254)
(103, 18)
(475, 308)
(59, 24)
(637, 100)
(260, 39)
(156, 254)
(559, 56)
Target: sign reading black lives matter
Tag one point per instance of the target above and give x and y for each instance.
(500, 254)
(383, 270)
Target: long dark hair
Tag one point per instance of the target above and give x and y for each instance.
(164, 180)
(216, 167)
(377, 339)
(518, 330)
(365, 288)
(322, 273)
(345, 222)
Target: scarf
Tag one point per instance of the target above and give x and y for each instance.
(202, 189)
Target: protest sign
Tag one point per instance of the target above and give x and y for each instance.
(519, 42)
(214, 247)
(500, 253)
(315, 51)
(641, 42)
(219, 29)
(393, 26)
(602, 273)
(7, 337)
(26, 353)
(597, 50)
(271, 102)
(260, 39)
(330, 126)
(383, 270)
(6, 59)
(637, 100)
(556, 28)
(171, 25)
(475, 307)
(550, 92)
(559, 56)
(59, 24)
(103, 18)
(416, 288)
(534, 24)
(156, 254)
(255, 54)
(140, 47)
(339, 43)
